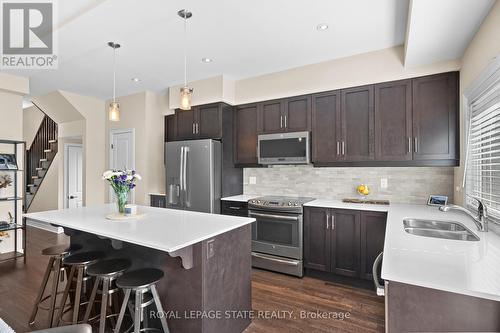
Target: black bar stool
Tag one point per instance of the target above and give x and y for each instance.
(79, 262)
(141, 282)
(56, 253)
(105, 272)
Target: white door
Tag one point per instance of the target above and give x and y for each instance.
(74, 174)
(122, 154)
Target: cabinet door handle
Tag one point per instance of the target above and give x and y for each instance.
(281, 121)
(285, 121)
(333, 222)
(343, 147)
(338, 147)
(197, 128)
(409, 145)
(415, 144)
(194, 132)
(327, 224)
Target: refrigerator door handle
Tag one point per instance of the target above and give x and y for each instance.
(186, 188)
(181, 176)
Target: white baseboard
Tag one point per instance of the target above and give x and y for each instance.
(44, 226)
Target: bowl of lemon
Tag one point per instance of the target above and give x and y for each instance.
(363, 189)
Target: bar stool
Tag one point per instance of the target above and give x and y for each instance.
(79, 262)
(56, 253)
(105, 272)
(141, 282)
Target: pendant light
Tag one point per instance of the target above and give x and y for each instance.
(186, 92)
(114, 107)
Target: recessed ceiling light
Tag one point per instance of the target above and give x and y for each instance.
(136, 79)
(206, 60)
(322, 27)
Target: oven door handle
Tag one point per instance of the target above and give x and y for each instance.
(273, 216)
(281, 261)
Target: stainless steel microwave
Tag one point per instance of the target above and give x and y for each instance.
(284, 148)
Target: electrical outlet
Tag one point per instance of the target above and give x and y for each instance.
(210, 248)
(252, 180)
(383, 183)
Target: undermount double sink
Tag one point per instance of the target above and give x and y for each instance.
(439, 229)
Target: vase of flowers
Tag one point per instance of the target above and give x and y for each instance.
(5, 181)
(121, 182)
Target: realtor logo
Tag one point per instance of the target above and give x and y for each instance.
(27, 35)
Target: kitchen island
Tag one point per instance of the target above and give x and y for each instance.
(206, 259)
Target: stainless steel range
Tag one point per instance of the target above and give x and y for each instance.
(277, 235)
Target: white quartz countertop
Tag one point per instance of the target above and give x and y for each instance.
(465, 267)
(240, 198)
(162, 229)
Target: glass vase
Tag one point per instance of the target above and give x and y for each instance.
(121, 200)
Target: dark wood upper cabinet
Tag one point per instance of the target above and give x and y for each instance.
(435, 117)
(345, 248)
(297, 114)
(170, 128)
(245, 134)
(358, 124)
(393, 121)
(209, 121)
(272, 116)
(325, 127)
(185, 124)
(317, 238)
(372, 240)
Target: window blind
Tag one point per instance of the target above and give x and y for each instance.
(483, 149)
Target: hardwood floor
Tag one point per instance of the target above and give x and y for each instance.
(273, 295)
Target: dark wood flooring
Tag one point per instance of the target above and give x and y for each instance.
(297, 302)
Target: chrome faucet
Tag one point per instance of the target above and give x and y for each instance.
(480, 220)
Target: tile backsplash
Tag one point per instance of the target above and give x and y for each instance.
(404, 184)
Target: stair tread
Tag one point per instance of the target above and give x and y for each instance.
(52, 141)
(39, 169)
(32, 185)
(43, 160)
(47, 151)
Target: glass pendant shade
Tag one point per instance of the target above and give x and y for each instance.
(186, 94)
(114, 111)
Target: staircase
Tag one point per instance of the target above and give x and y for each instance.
(39, 157)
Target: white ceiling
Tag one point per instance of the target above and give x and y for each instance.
(442, 30)
(245, 38)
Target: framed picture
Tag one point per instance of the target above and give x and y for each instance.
(8, 162)
(437, 200)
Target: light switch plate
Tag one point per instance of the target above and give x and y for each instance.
(383, 183)
(252, 180)
(210, 248)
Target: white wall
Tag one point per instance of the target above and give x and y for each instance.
(32, 118)
(482, 49)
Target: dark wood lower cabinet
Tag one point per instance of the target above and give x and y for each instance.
(343, 241)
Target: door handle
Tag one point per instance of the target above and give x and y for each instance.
(186, 189)
(333, 221)
(415, 140)
(197, 127)
(272, 216)
(409, 145)
(327, 224)
(285, 121)
(194, 128)
(181, 175)
(338, 147)
(73, 197)
(281, 261)
(281, 121)
(343, 147)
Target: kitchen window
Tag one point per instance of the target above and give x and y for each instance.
(482, 175)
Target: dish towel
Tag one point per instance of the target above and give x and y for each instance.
(4, 328)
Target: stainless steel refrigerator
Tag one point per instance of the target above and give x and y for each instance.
(194, 171)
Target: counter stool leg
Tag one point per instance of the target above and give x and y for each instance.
(78, 296)
(104, 304)
(159, 308)
(91, 301)
(138, 311)
(42, 290)
(55, 283)
(65, 294)
(122, 310)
